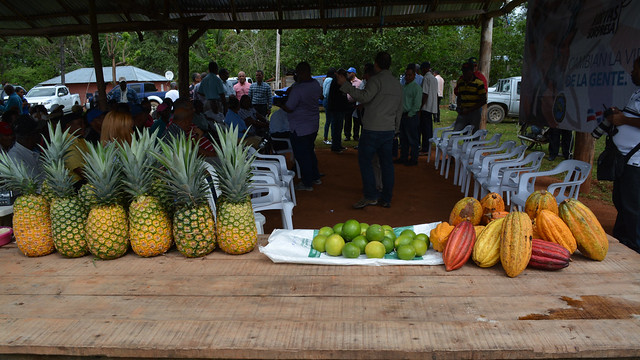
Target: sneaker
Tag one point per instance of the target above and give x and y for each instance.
(384, 204)
(301, 186)
(364, 202)
(338, 151)
(317, 182)
(355, 147)
(328, 142)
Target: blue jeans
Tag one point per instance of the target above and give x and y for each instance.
(304, 152)
(371, 143)
(409, 137)
(327, 124)
(337, 120)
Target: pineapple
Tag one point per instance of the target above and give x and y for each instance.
(236, 227)
(68, 215)
(149, 223)
(31, 220)
(107, 228)
(193, 226)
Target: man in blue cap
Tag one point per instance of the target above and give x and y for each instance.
(349, 119)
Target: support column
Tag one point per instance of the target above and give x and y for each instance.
(95, 52)
(585, 151)
(183, 62)
(485, 58)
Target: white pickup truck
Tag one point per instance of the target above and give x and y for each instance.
(49, 95)
(504, 99)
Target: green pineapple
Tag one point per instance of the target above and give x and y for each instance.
(149, 223)
(107, 228)
(31, 220)
(236, 227)
(193, 226)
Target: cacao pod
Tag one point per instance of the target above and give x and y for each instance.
(551, 228)
(515, 243)
(478, 230)
(590, 236)
(495, 215)
(536, 233)
(459, 246)
(486, 251)
(491, 203)
(466, 209)
(546, 255)
(440, 235)
(540, 200)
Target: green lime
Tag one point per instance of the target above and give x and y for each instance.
(363, 229)
(406, 252)
(360, 241)
(326, 231)
(387, 227)
(388, 244)
(350, 251)
(403, 240)
(409, 232)
(337, 228)
(423, 237)
(375, 250)
(390, 234)
(350, 229)
(319, 242)
(375, 232)
(334, 244)
(420, 246)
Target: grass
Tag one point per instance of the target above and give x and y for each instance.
(509, 128)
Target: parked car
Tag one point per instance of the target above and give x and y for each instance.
(146, 90)
(4, 95)
(504, 100)
(49, 95)
(282, 93)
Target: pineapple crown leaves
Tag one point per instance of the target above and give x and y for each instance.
(138, 162)
(103, 172)
(234, 170)
(184, 172)
(15, 176)
(54, 153)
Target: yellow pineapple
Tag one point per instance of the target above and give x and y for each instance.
(107, 228)
(31, 220)
(68, 215)
(236, 227)
(149, 224)
(193, 226)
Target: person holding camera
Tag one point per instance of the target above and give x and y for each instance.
(626, 192)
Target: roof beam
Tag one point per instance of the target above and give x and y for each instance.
(69, 11)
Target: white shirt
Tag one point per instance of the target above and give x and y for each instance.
(29, 158)
(629, 136)
(228, 88)
(123, 96)
(172, 94)
(278, 122)
(440, 85)
(430, 87)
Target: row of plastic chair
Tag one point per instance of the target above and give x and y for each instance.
(500, 167)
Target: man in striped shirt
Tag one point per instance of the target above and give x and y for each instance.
(472, 95)
(260, 94)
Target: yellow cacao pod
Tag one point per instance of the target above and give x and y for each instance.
(515, 243)
(466, 209)
(551, 228)
(491, 203)
(478, 229)
(590, 236)
(540, 200)
(486, 251)
(440, 235)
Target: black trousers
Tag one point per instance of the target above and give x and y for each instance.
(351, 123)
(426, 129)
(261, 109)
(558, 138)
(437, 119)
(626, 198)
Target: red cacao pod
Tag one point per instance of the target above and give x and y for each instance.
(459, 246)
(546, 255)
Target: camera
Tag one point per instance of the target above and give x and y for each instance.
(604, 127)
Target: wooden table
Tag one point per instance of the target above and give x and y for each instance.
(248, 307)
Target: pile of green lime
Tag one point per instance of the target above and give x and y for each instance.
(352, 238)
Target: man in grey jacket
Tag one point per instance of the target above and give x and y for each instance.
(382, 100)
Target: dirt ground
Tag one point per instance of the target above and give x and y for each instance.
(420, 196)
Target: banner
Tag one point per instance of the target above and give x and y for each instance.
(578, 57)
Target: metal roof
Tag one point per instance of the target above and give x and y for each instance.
(72, 17)
(88, 75)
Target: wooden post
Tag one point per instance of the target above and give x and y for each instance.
(183, 62)
(97, 60)
(585, 151)
(485, 58)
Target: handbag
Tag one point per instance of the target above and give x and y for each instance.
(611, 162)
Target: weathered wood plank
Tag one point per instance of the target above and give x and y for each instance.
(324, 339)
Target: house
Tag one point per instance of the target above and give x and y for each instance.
(83, 81)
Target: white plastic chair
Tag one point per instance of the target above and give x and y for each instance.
(474, 164)
(267, 195)
(483, 170)
(260, 220)
(577, 172)
(446, 144)
(458, 147)
(287, 150)
(504, 175)
(436, 139)
(277, 165)
(468, 152)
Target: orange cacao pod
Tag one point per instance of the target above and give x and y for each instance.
(546, 255)
(440, 235)
(486, 251)
(459, 246)
(495, 215)
(540, 200)
(551, 228)
(491, 203)
(590, 236)
(515, 243)
(466, 209)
